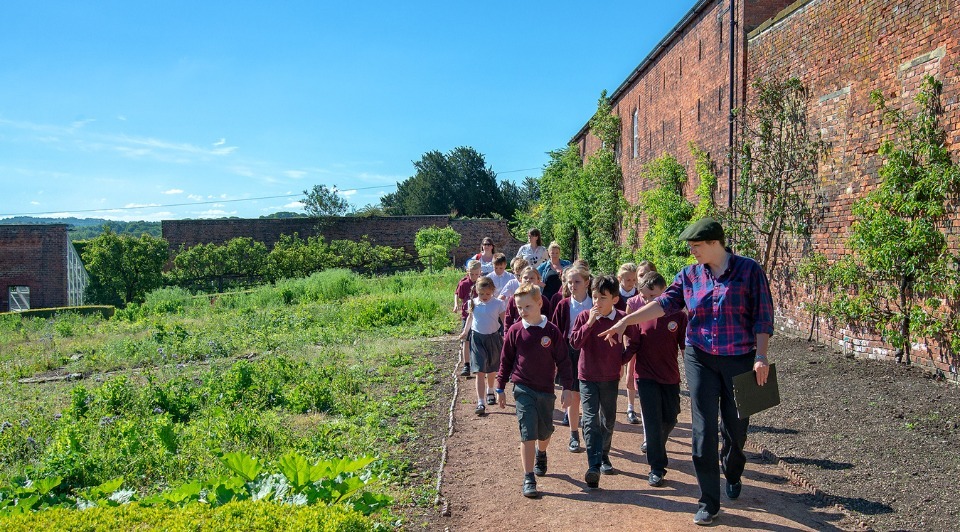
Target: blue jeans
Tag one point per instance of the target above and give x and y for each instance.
(710, 379)
(598, 401)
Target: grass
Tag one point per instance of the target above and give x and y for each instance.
(328, 366)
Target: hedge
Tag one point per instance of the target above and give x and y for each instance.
(105, 311)
(246, 515)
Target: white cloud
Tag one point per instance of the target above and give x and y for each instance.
(77, 124)
(34, 203)
(195, 197)
(215, 213)
(220, 142)
(122, 118)
(218, 205)
(294, 205)
(295, 174)
(347, 192)
(140, 205)
(172, 191)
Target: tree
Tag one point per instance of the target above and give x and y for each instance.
(900, 273)
(456, 183)
(322, 201)
(434, 244)
(779, 160)
(123, 269)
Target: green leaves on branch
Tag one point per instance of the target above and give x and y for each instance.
(122, 268)
(900, 277)
(434, 245)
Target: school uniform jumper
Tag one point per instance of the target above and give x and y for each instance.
(599, 374)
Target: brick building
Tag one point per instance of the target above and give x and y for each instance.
(394, 231)
(841, 50)
(39, 268)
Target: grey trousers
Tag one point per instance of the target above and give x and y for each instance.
(598, 401)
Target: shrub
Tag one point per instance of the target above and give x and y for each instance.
(434, 245)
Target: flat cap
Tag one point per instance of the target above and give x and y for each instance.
(703, 229)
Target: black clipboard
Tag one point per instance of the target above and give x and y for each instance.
(752, 398)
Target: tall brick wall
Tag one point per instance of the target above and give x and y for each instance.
(394, 231)
(842, 50)
(34, 256)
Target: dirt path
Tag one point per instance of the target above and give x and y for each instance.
(483, 477)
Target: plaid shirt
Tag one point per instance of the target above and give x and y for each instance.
(726, 313)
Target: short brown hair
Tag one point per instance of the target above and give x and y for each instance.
(518, 264)
(606, 284)
(485, 282)
(500, 258)
(528, 289)
(646, 266)
(651, 280)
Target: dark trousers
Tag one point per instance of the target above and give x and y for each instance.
(598, 401)
(660, 405)
(710, 379)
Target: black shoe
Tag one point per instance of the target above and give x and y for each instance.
(491, 399)
(703, 517)
(733, 489)
(530, 487)
(632, 418)
(606, 467)
(481, 410)
(643, 448)
(575, 446)
(592, 478)
(540, 467)
(655, 480)
(466, 371)
(566, 420)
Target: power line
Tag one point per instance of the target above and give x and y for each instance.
(153, 206)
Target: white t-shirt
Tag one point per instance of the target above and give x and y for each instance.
(534, 255)
(508, 289)
(486, 316)
(500, 281)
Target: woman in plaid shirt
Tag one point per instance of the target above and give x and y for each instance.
(730, 322)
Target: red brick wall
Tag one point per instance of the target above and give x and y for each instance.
(842, 50)
(34, 256)
(395, 231)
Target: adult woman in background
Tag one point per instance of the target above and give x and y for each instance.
(551, 270)
(533, 251)
(728, 333)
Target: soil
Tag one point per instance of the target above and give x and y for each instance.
(854, 445)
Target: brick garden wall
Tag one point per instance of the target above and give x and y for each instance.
(394, 231)
(841, 50)
(34, 256)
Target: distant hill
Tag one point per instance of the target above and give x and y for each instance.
(85, 228)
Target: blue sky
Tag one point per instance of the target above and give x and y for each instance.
(124, 109)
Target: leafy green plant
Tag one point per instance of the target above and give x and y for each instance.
(899, 264)
(434, 245)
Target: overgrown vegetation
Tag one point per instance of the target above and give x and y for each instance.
(327, 367)
(900, 278)
(581, 206)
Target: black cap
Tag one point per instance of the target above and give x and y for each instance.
(703, 229)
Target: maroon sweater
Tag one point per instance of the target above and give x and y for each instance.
(599, 361)
(656, 344)
(513, 315)
(533, 356)
(463, 292)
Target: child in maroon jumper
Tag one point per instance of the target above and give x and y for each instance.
(565, 313)
(657, 344)
(461, 295)
(534, 352)
(599, 372)
(529, 275)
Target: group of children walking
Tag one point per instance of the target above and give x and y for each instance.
(512, 333)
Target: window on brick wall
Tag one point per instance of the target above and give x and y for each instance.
(19, 298)
(700, 50)
(680, 68)
(636, 132)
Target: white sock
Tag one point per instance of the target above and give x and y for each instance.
(629, 408)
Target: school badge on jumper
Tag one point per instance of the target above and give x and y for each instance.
(672, 326)
(545, 341)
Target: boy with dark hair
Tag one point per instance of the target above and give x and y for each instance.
(534, 352)
(599, 373)
(657, 344)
